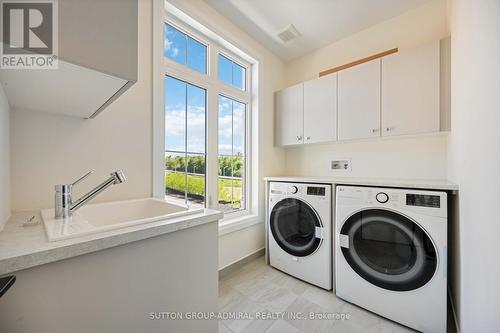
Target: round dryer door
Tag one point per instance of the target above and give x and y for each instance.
(388, 249)
(293, 225)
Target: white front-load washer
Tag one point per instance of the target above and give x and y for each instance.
(300, 231)
(391, 253)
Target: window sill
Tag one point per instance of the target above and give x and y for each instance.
(233, 224)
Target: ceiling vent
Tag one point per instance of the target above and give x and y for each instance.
(289, 33)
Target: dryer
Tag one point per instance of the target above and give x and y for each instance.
(391, 253)
(300, 231)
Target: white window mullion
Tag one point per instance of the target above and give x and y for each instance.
(212, 163)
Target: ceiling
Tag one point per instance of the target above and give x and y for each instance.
(319, 22)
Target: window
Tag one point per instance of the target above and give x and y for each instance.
(184, 49)
(231, 73)
(231, 158)
(205, 121)
(185, 113)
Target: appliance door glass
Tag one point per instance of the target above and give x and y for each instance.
(293, 225)
(389, 250)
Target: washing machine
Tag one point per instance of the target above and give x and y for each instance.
(300, 231)
(391, 253)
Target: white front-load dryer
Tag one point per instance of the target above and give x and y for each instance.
(391, 253)
(300, 231)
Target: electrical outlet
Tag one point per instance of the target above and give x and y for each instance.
(340, 165)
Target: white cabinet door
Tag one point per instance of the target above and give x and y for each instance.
(359, 101)
(290, 115)
(410, 91)
(320, 109)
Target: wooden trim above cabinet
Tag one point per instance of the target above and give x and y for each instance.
(358, 62)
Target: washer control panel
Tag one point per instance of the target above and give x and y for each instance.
(300, 189)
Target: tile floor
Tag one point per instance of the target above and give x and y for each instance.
(257, 288)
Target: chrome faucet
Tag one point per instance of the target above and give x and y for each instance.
(64, 205)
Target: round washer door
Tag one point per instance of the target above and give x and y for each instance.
(293, 225)
(388, 250)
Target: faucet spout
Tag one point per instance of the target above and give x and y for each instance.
(116, 177)
(64, 205)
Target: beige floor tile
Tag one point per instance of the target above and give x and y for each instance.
(292, 284)
(305, 307)
(281, 326)
(256, 326)
(258, 287)
(223, 328)
(324, 298)
(243, 305)
(227, 294)
(273, 298)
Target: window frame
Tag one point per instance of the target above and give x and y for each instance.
(214, 87)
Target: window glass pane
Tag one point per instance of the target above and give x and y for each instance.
(185, 112)
(225, 70)
(185, 50)
(175, 44)
(196, 179)
(232, 73)
(195, 119)
(238, 129)
(175, 180)
(196, 55)
(231, 154)
(225, 126)
(238, 188)
(175, 114)
(238, 76)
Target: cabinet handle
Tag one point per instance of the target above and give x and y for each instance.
(388, 129)
(299, 137)
(374, 130)
(308, 138)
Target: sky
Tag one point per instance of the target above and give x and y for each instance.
(186, 103)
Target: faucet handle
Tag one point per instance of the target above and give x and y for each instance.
(82, 178)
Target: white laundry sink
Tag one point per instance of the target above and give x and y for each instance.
(112, 215)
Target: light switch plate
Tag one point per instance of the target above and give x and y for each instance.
(341, 165)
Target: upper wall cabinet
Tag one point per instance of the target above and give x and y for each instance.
(407, 92)
(410, 91)
(97, 42)
(359, 101)
(320, 109)
(290, 115)
(307, 112)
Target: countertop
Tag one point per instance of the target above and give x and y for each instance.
(433, 184)
(23, 247)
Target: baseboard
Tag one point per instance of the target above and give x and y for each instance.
(240, 263)
(453, 311)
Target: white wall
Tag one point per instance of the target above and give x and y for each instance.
(475, 160)
(49, 149)
(422, 158)
(237, 245)
(404, 158)
(4, 159)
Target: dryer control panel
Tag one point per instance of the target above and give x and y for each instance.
(432, 203)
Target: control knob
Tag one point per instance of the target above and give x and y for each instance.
(382, 197)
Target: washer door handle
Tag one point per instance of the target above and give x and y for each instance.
(344, 241)
(318, 232)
